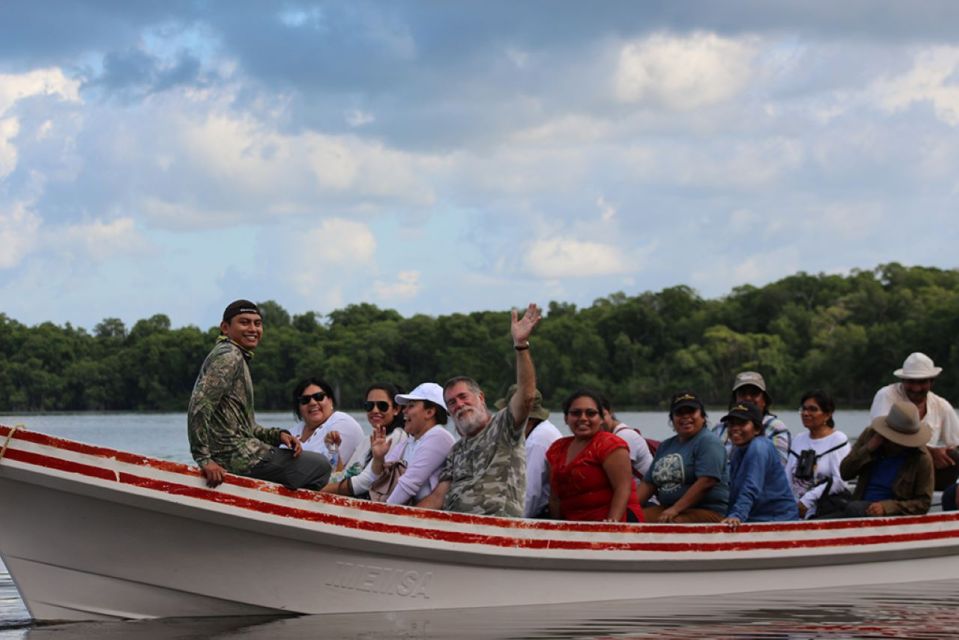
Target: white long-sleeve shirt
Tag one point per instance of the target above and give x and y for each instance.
(639, 454)
(351, 433)
(537, 471)
(940, 416)
(424, 457)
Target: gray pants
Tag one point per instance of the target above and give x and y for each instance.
(308, 471)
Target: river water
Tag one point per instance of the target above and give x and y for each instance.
(929, 610)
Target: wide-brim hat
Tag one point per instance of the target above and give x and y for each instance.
(537, 411)
(426, 391)
(903, 426)
(917, 366)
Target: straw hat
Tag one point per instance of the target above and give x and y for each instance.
(902, 425)
(917, 366)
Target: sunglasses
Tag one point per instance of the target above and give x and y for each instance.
(382, 405)
(319, 396)
(576, 413)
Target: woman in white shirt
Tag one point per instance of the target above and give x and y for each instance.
(815, 456)
(315, 406)
(425, 450)
(382, 413)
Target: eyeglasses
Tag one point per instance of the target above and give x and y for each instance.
(809, 408)
(319, 396)
(381, 405)
(576, 413)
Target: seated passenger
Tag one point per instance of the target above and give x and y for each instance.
(639, 455)
(750, 386)
(408, 473)
(758, 489)
(381, 411)
(590, 474)
(315, 407)
(688, 475)
(813, 467)
(540, 434)
(893, 469)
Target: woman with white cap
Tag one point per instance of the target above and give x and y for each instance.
(892, 468)
(409, 473)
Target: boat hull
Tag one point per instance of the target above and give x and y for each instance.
(92, 533)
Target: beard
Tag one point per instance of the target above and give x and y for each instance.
(470, 422)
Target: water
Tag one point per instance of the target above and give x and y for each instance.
(912, 611)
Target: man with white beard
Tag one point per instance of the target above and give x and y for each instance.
(485, 473)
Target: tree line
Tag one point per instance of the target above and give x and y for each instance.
(843, 333)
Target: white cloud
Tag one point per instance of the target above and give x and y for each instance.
(19, 230)
(101, 240)
(406, 286)
(607, 212)
(15, 87)
(562, 258)
(9, 128)
(339, 242)
(358, 118)
(683, 72)
(932, 79)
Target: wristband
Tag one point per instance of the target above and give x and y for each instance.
(521, 347)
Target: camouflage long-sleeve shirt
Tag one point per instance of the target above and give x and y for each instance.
(220, 419)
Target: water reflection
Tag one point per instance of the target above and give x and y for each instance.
(923, 610)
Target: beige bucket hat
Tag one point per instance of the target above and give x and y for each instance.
(902, 425)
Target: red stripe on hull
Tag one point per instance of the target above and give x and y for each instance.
(259, 506)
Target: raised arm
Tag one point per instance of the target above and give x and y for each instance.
(521, 329)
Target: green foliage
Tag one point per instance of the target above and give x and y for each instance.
(842, 333)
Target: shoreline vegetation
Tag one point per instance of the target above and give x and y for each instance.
(843, 333)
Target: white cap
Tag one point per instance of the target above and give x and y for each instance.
(425, 391)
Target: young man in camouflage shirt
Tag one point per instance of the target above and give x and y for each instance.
(485, 473)
(224, 436)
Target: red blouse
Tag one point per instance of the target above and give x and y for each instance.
(582, 486)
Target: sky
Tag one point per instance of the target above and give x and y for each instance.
(439, 157)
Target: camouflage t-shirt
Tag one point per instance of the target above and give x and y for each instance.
(487, 472)
(220, 419)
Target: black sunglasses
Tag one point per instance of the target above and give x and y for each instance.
(382, 405)
(319, 396)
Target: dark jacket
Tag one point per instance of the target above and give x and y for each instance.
(912, 488)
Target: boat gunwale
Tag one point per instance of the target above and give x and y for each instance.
(267, 488)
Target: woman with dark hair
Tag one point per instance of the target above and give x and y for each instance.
(315, 408)
(591, 477)
(382, 412)
(813, 467)
(688, 475)
(758, 489)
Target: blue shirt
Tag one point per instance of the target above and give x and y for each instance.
(679, 464)
(758, 488)
(884, 473)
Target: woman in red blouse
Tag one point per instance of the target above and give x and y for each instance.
(590, 477)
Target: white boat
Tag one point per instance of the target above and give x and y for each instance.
(91, 533)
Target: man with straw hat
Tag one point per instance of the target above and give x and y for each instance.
(892, 468)
(917, 375)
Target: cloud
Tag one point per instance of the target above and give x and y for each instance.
(51, 81)
(683, 72)
(9, 128)
(19, 230)
(563, 258)
(932, 80)
(101, 240)
(406, 286)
